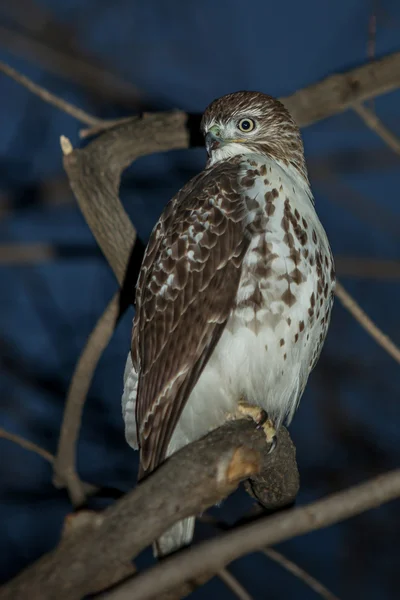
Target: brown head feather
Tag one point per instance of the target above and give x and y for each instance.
(276, 135)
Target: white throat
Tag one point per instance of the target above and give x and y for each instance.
(231, 149)
(228, 150)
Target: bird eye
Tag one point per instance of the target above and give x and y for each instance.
(246, 125)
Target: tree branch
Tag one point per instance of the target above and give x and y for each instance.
(213, 467)
(367, 268)
(318, 587)
(234, 585)
(17, 253)
(372, 121)
(95, 171)
(280, 559)
(341, 91)
(95, 174)
(20, 441)
(65, 473)
(212, 555)
(88, 488)
(132, 523)
(328, 97)
(72, 64)
(367, 323)
(50, 98)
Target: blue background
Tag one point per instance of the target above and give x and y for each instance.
(183, 54)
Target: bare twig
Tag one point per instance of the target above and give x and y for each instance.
(371, 43)
(300, 573)
(17, 439)
(88, 488)
(234, 585)
(367, 268)
(50, 98)
(26, 253)
(366, 322)
(376, 125)
(30, 254)
(213, 467)
(188, 587)
(279, 558)
(65, 474)
(212, 555)
(360, 205)
(71, 64)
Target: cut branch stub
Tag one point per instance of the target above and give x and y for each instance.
(278, 482)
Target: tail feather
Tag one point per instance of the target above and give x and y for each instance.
(178, 535)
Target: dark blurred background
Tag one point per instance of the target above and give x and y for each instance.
(113, 59)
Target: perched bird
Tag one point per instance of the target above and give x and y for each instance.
(235, 291)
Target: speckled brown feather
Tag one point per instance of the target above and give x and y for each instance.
(185, 293)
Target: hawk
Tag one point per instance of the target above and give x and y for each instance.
(235, 292)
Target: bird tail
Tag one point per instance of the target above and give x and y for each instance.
(176, 537)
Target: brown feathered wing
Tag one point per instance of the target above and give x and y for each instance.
(185, 293)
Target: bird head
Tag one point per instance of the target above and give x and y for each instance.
(251, 123)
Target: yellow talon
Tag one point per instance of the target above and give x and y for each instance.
(260, 417)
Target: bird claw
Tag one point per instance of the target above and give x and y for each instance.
(260, 417)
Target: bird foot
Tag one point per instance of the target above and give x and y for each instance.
(260, 417)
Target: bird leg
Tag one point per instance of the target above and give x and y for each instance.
(260, 417)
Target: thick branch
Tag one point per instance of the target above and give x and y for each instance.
(341, 91)
(212, 555)
(95, 174)
(213, 467)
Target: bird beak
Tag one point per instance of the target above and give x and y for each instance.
(213, 139)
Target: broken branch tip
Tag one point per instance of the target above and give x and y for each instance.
(66, 145)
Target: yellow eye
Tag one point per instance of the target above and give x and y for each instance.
(246, 125)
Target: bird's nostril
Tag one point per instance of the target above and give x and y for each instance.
(215, 130)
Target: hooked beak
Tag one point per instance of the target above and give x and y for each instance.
(213, 139)
(212, 142)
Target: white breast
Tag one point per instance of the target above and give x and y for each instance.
(274, 335)
(280, 317)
